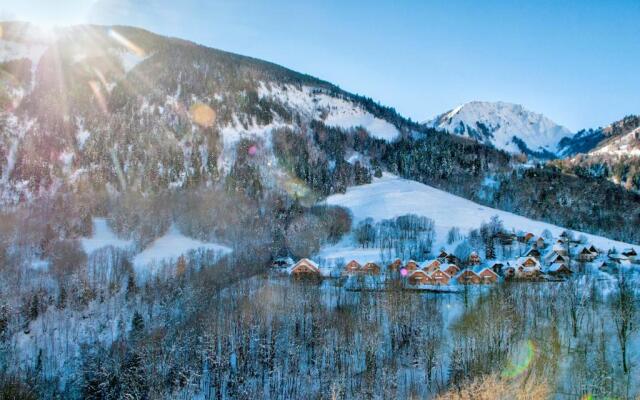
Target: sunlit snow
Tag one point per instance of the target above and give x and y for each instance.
(391, 196)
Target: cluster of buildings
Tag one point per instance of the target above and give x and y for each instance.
(540, 261)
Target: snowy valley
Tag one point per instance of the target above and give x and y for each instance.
(179, 221)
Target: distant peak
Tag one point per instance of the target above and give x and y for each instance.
(507, 126)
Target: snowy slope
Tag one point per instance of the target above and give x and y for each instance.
(168, 248)
(497, 123)
(626, 145)
(314, 103)
(391, 196)
(103, 236)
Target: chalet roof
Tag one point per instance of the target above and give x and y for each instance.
(533, 251)
(555, 267)
(522, 260)
(559, 246)
(630, 252)
(429, 262)
(466, 271)
(478, 270)
(370, 263)
(305, 261)
(584, 250)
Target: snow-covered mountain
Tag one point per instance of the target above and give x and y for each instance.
(612, 152)
(588, 141)
(506, 126)
(128, 109)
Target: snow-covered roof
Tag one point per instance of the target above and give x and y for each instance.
(427, 263)
(302, 261)
(522, 260)
(555, 267)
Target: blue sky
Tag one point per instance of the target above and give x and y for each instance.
(576, 61)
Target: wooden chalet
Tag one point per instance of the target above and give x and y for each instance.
(420, 277)
(432, 265)
(593, 249)
(527, 267)
(450, 269)
(411, 266)
(559, 269)
(443, 254)
(468, 277)
(554, 257)
(585, 255)
(440, 277)
(540, 243)
(352, 267)
(526, 237)
(487, 275)
(528, 262)
(305, 267)
(370, 268)
(395, 265)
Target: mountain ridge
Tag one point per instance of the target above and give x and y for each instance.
(507, 126)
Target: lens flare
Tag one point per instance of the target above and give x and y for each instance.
(404, 272)
(202, 115)
(128, 44)
(252, 150)
(523, 361)
(97, 91)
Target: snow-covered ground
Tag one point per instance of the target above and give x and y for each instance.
(391, 196)
(625, 146)
(336, 112)
(169, 248)
(103, 236)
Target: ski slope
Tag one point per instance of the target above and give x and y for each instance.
(390, 196)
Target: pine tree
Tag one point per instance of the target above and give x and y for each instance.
(132, 289)
(62, 298)
(137, 326)
(490, 249)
